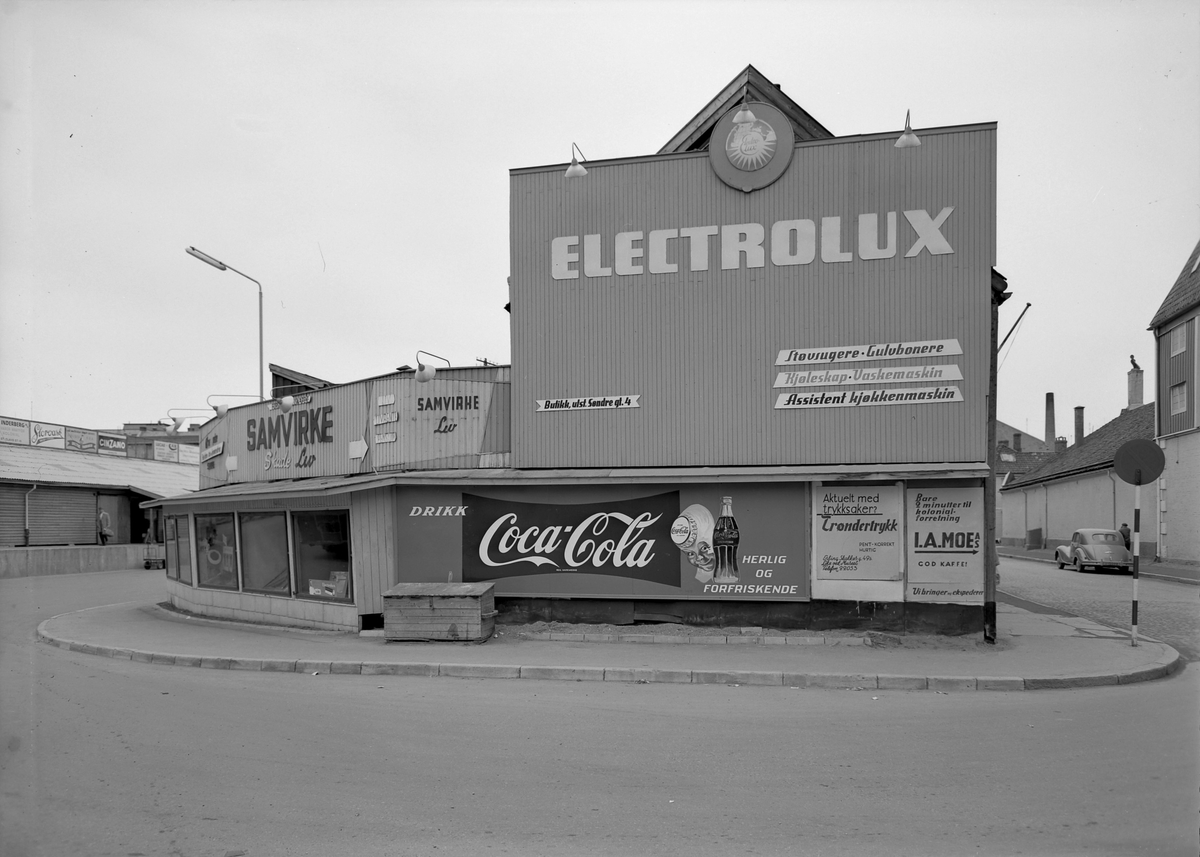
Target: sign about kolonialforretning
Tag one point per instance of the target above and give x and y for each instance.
(856, 532)
(945, 545)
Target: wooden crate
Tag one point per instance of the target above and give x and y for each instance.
(439, 611)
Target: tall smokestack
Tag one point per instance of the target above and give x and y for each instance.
(1050, 420)
(1078, 425)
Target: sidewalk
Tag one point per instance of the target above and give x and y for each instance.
(1177, 572)
(1033, 651)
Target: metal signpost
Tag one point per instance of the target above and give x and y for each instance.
(1136, 462)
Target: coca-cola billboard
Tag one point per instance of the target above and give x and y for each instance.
(621, 538)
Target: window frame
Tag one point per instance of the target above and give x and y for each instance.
(1178, 343)
(237, 560)
(1177, 398)
(301, 586)
(239, 518)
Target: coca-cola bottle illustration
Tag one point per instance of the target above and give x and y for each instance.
(725, 544)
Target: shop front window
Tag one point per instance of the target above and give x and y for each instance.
(265, 552)
(177, 543)
(322, 555)
(216, 549)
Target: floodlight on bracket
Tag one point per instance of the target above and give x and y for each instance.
(425, 372)
(222, 408)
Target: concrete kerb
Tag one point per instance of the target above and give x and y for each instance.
(1168, 663)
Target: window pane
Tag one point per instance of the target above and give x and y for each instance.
(216, 563)
(1179, 339)
(265, 552)
(322, 545)
(183, 534)
(169, 548)
(1179, 399)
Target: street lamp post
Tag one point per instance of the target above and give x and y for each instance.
(221, 266)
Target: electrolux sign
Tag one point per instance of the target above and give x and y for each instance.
(792, 241)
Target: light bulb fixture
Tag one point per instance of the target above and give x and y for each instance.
(908, 139)
(744, 113)
(425, 372)
(576, 169)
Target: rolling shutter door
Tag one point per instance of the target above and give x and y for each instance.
(12, 515)
(62, 516)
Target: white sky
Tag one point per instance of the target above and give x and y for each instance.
(353, 156)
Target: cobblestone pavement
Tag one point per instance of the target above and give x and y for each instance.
(1167, 611)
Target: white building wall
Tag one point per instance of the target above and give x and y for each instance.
(1098, 499)
(1179, 499)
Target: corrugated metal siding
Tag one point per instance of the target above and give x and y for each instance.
(1179, 369)
(699, 347)
(373, 542)
(497, 435)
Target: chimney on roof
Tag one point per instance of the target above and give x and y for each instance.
(1135, 386)
(1016, 441)
(1050, 435)
(1060, 445)
(1078, 425)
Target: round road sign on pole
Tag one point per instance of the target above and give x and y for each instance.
(1139, 462)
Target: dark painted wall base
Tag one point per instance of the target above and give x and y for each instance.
(950, 619)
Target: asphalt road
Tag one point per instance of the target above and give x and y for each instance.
(1167, 611)
(109, 757)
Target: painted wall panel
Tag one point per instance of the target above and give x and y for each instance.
(373, 543)
(522, 539)
(698, 345)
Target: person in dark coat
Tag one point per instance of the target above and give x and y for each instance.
(1124, 531)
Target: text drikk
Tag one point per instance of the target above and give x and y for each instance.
(437, 511)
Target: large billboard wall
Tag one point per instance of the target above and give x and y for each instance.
(839, 315)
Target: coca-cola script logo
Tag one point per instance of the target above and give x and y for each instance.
(623, 538)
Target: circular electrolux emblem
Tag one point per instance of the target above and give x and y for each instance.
(754, 150)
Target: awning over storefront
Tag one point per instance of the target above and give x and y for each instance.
(30, 465)
(335, 485)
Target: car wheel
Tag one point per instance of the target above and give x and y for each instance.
(1058, 558)
(1077, 564)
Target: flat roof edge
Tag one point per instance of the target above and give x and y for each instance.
(586, 476)
(800, 144)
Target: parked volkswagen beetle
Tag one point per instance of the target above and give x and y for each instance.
(1095, 548)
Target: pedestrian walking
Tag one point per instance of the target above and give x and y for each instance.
(104, 526)
(1124, 531)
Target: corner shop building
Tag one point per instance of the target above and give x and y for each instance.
(801, 323)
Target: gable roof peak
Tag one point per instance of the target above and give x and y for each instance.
(750, 85)
(1184, 295)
